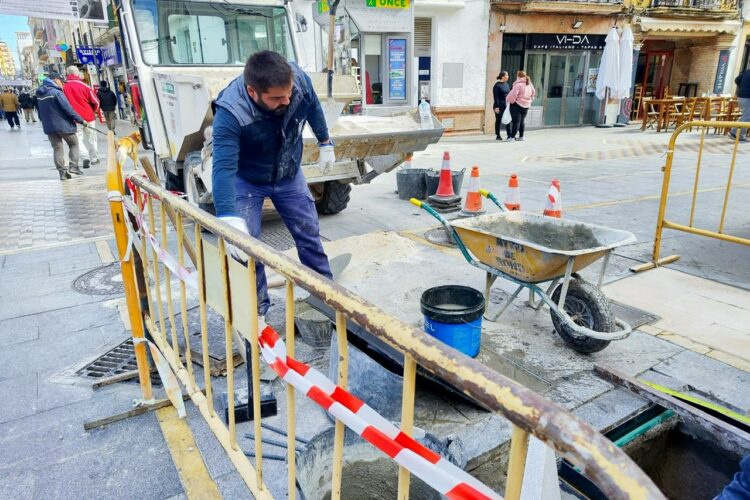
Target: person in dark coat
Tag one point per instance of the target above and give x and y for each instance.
(27, 105)
(743, 97)
(108, 104)
(499, 92)
(59, 123)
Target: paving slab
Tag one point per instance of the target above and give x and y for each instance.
(701, 310)
(716, 380)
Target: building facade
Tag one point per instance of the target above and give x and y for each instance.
(7, 65)
(686, 47)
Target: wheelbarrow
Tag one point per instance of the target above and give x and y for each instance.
(528, 250)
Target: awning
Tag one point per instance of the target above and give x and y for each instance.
(650, 25)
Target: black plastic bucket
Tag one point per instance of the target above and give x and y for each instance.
(453, 314)
(432, 180)
(410, 183)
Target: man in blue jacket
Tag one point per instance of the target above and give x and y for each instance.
(743, 96)
(257, 151)
(59, 123)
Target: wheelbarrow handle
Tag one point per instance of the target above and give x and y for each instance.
(447, 225)
(492, 198)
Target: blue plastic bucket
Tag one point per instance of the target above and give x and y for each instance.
(453, 314)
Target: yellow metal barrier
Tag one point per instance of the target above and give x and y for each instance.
(228, 287)
(662, 222)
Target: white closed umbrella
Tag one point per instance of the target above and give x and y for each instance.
(609, 68)
(626, 63)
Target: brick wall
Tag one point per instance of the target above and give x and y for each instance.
(680, 69)
(703, 67)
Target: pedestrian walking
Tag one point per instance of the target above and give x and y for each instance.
(59, 123)
(85, 103)
(743, 97)
(27, 104)
(108, 103)
(500, 91)
(257, 140)
(520, 98)
(10, 105)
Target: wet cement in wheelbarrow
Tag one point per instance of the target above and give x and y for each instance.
(554, 236)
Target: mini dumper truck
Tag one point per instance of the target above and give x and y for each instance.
(181, 54)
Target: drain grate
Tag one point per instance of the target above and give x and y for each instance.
(119, 360)
(105, 280)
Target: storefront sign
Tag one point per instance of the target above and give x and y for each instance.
(370, 16)
(566, 42)
(78, 10)
(89, 55)
(111, 54)
(397, 69)
(721, 72)
(388, 4)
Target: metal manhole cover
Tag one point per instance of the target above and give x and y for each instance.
(105, 280)
(438, 236)
(119, 360)
(276, 235)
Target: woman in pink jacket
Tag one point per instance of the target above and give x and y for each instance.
(520, 98)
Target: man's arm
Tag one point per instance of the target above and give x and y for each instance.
(67, 108)
(226, 155)
(317, 118)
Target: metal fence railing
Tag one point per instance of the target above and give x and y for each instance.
(663, 223)
(153, 259)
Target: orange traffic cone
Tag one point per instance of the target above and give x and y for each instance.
(445, 187)
(445, 200)
(513, 197)
(473, 205)
(553, 205)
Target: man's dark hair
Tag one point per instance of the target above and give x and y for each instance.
(104, 84)
(267, 69)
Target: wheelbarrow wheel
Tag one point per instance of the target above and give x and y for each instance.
(587, 306)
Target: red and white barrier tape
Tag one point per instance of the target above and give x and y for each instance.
(189, 276)
(436, 471)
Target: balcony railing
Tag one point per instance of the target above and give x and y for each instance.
(713, 5)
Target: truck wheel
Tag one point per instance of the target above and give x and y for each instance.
(331, 197)
(195, 190)
(587, 306)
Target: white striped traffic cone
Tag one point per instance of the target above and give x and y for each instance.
(553, 204)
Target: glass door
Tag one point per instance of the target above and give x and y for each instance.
(565, 89)
(573, 92)
(553, 108)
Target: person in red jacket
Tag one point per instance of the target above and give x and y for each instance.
(84, 102)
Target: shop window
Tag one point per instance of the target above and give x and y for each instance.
(513, 54)
(373, 51)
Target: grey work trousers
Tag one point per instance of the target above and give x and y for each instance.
(58, 150)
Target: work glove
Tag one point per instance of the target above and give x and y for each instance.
(327, 156)
(240, 224)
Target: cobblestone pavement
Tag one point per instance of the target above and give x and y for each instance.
(39, 211)
(45, 213)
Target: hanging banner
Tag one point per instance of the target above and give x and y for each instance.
(721, 72)
(79, 10)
